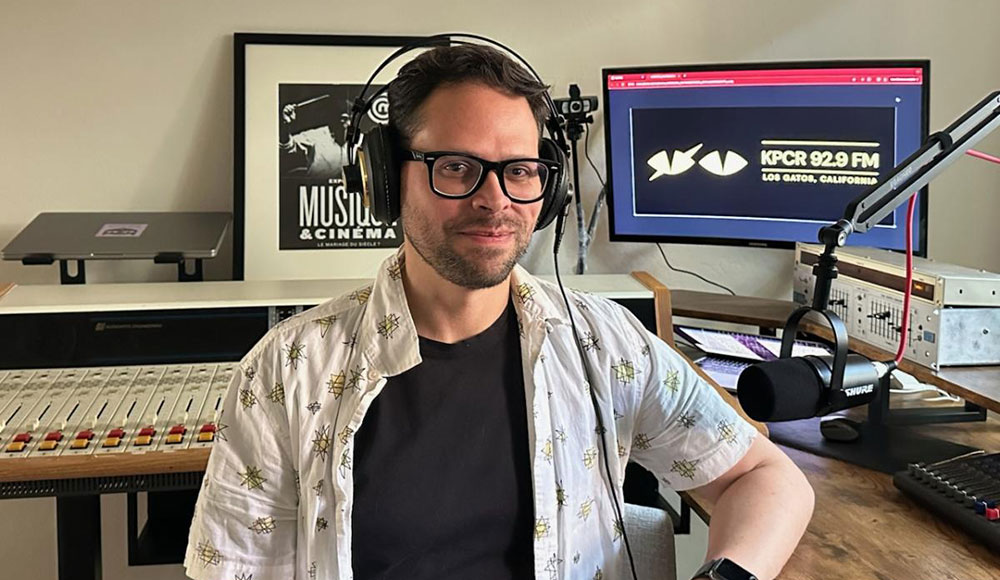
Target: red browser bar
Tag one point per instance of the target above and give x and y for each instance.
(695, 79)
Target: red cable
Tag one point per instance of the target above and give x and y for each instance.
(909, 280)
(904, 331)
(982, 155)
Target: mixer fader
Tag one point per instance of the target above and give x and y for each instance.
(106, 410)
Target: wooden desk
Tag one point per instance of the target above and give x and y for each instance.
(863, 527)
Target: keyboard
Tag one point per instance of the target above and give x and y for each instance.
(963, 490)
(724, 371)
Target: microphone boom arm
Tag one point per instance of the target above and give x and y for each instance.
(863, 212)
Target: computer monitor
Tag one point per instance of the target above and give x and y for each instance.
(761, 154)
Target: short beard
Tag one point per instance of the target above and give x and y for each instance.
(452, 266)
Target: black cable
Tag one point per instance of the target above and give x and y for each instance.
(602, 432)
(586, 153)
(695, 274)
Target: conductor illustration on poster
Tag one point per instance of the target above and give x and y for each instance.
(315, 211)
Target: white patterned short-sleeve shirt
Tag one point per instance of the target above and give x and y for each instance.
(278, 491)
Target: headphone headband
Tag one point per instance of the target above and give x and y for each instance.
(373, 166)
(554, 123)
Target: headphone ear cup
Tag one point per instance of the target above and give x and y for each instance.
(557, 194)
(380, 173)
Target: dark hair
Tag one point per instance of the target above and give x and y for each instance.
(447, 65)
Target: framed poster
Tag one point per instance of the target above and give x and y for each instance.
(292, 216)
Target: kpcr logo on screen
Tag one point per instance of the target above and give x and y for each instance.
(714, 162)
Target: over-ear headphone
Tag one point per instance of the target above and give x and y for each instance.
(374, 164)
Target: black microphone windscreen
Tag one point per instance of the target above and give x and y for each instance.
(780, 390)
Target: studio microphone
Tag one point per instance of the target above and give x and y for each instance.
(801, 387)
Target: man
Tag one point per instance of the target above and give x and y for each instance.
(438, 424)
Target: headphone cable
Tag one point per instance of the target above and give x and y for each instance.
(601, 430)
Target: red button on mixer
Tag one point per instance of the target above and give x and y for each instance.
(119, 433)
(22, 438)
(207, 428)
(178, 430)
(85, 434)
(54, 436)
(993, 514)
(147, 432)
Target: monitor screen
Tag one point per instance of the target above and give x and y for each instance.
(759, 154)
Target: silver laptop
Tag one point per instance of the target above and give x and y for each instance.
(119, 235)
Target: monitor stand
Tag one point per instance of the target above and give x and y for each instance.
(882, 445)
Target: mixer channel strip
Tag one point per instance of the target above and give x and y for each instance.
(107, 410)
(964, 491)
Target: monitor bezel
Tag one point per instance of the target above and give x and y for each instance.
(921, 224)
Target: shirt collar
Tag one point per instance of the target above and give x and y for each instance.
(535, 299)
(388, 336)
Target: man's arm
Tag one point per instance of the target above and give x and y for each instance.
(761, 507)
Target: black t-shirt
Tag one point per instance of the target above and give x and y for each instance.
(442, 473)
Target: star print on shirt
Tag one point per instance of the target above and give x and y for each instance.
(552, 567)
(220, 430)
(262, 525)
(252, 478)
(361, 296)
(618, 530)
(357, 375)
(294, 353)
(541, 528)
(321, 442)
(524, 292)
(277, 394)
(345, 463)
(336, 384)
(685, 468)
(688, 420)
(590, 342)
(325, 324)
(641, 441)
(247, 398)
(388, 326)
(208, 555)
(395, 270)
(672, 382)
(624, 371)
(727, 432)
(561, 498)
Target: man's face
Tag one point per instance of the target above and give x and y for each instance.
(476, 241)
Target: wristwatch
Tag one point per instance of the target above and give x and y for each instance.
(723, 569)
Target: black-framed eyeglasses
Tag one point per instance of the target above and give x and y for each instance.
(457, 175)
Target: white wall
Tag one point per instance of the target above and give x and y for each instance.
(127, 105)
